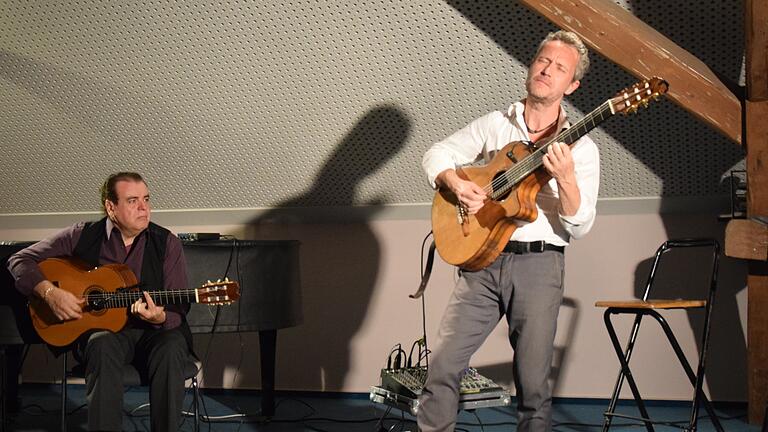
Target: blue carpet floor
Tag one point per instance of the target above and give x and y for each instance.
(238, 411)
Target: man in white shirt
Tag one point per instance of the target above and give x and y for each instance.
(525, 283)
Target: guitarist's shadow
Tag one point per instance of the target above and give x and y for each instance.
(339, 259)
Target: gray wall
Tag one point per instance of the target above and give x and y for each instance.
(238, 104)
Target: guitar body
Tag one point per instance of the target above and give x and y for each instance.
(472, 242)
(82, 281)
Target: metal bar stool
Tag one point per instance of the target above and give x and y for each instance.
(640, 308)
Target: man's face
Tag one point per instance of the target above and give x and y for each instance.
(131, 211)
(550, 76)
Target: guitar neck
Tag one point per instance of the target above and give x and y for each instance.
(586, 124)
(536, 159)
(123, 299)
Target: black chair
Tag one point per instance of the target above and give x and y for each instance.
(131, 378)
(646, 306)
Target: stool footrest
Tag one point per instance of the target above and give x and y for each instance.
(647, 420)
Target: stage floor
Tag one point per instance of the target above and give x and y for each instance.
(339, 412)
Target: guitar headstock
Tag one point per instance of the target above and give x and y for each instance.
(628, 100)
(221, 292)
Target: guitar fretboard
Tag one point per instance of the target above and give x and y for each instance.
(501, 185)
(102, 300)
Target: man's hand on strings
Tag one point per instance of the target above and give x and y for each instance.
(559, 163)
(64, 305)
(147, 310)
(471, 196)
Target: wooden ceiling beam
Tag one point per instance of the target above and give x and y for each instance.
(756, 47)
(644, 52)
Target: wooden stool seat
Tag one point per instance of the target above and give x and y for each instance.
(652, 304)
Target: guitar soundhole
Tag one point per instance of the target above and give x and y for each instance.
(96, 299)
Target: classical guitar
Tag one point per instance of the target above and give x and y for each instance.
(512, 180)
(108, 291)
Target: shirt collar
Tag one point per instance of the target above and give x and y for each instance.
(110, 227)
(516, 110)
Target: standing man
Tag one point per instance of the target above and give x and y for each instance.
(156, 338)
(525, 283)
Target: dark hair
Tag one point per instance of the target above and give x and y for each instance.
(108, 191)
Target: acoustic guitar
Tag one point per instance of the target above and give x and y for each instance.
(512, 180)
(108, 291)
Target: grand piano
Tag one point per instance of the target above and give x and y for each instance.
(268, 274)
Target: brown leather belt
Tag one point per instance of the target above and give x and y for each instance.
(519, 247)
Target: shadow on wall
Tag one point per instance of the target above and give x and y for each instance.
(677, 166)
(722, 51)
(339, 263)
(685, 275)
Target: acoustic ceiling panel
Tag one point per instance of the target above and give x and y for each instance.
(242, 104)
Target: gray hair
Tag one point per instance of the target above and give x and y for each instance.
(573, 40)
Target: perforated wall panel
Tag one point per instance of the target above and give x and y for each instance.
(232, 104)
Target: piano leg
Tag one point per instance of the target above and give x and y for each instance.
(10, 366)
(267, 347)
(4, 389)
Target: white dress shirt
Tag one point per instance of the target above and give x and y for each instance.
(479, 141)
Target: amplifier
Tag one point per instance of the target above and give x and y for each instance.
(409, 382)
(392, 399)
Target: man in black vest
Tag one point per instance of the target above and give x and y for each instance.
(156, 338)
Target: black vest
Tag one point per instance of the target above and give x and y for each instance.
(88, 249)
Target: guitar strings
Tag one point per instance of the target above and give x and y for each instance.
(501, 184)
(534, 161)
(126, 298)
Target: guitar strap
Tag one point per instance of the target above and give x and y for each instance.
(427, 273)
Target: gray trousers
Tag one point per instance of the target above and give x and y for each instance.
(528, 290)
(162, 353)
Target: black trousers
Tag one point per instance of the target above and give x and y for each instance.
(161, 353)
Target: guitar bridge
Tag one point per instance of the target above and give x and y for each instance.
(463, 218)
(461, 214)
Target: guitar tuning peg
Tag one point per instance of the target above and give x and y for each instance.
(218, 281)
(209, 282)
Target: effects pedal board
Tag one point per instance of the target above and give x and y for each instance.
(401, 388)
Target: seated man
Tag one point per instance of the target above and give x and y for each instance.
(155, 337)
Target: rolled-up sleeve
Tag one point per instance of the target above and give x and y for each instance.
(587, 165)
(461, 148)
